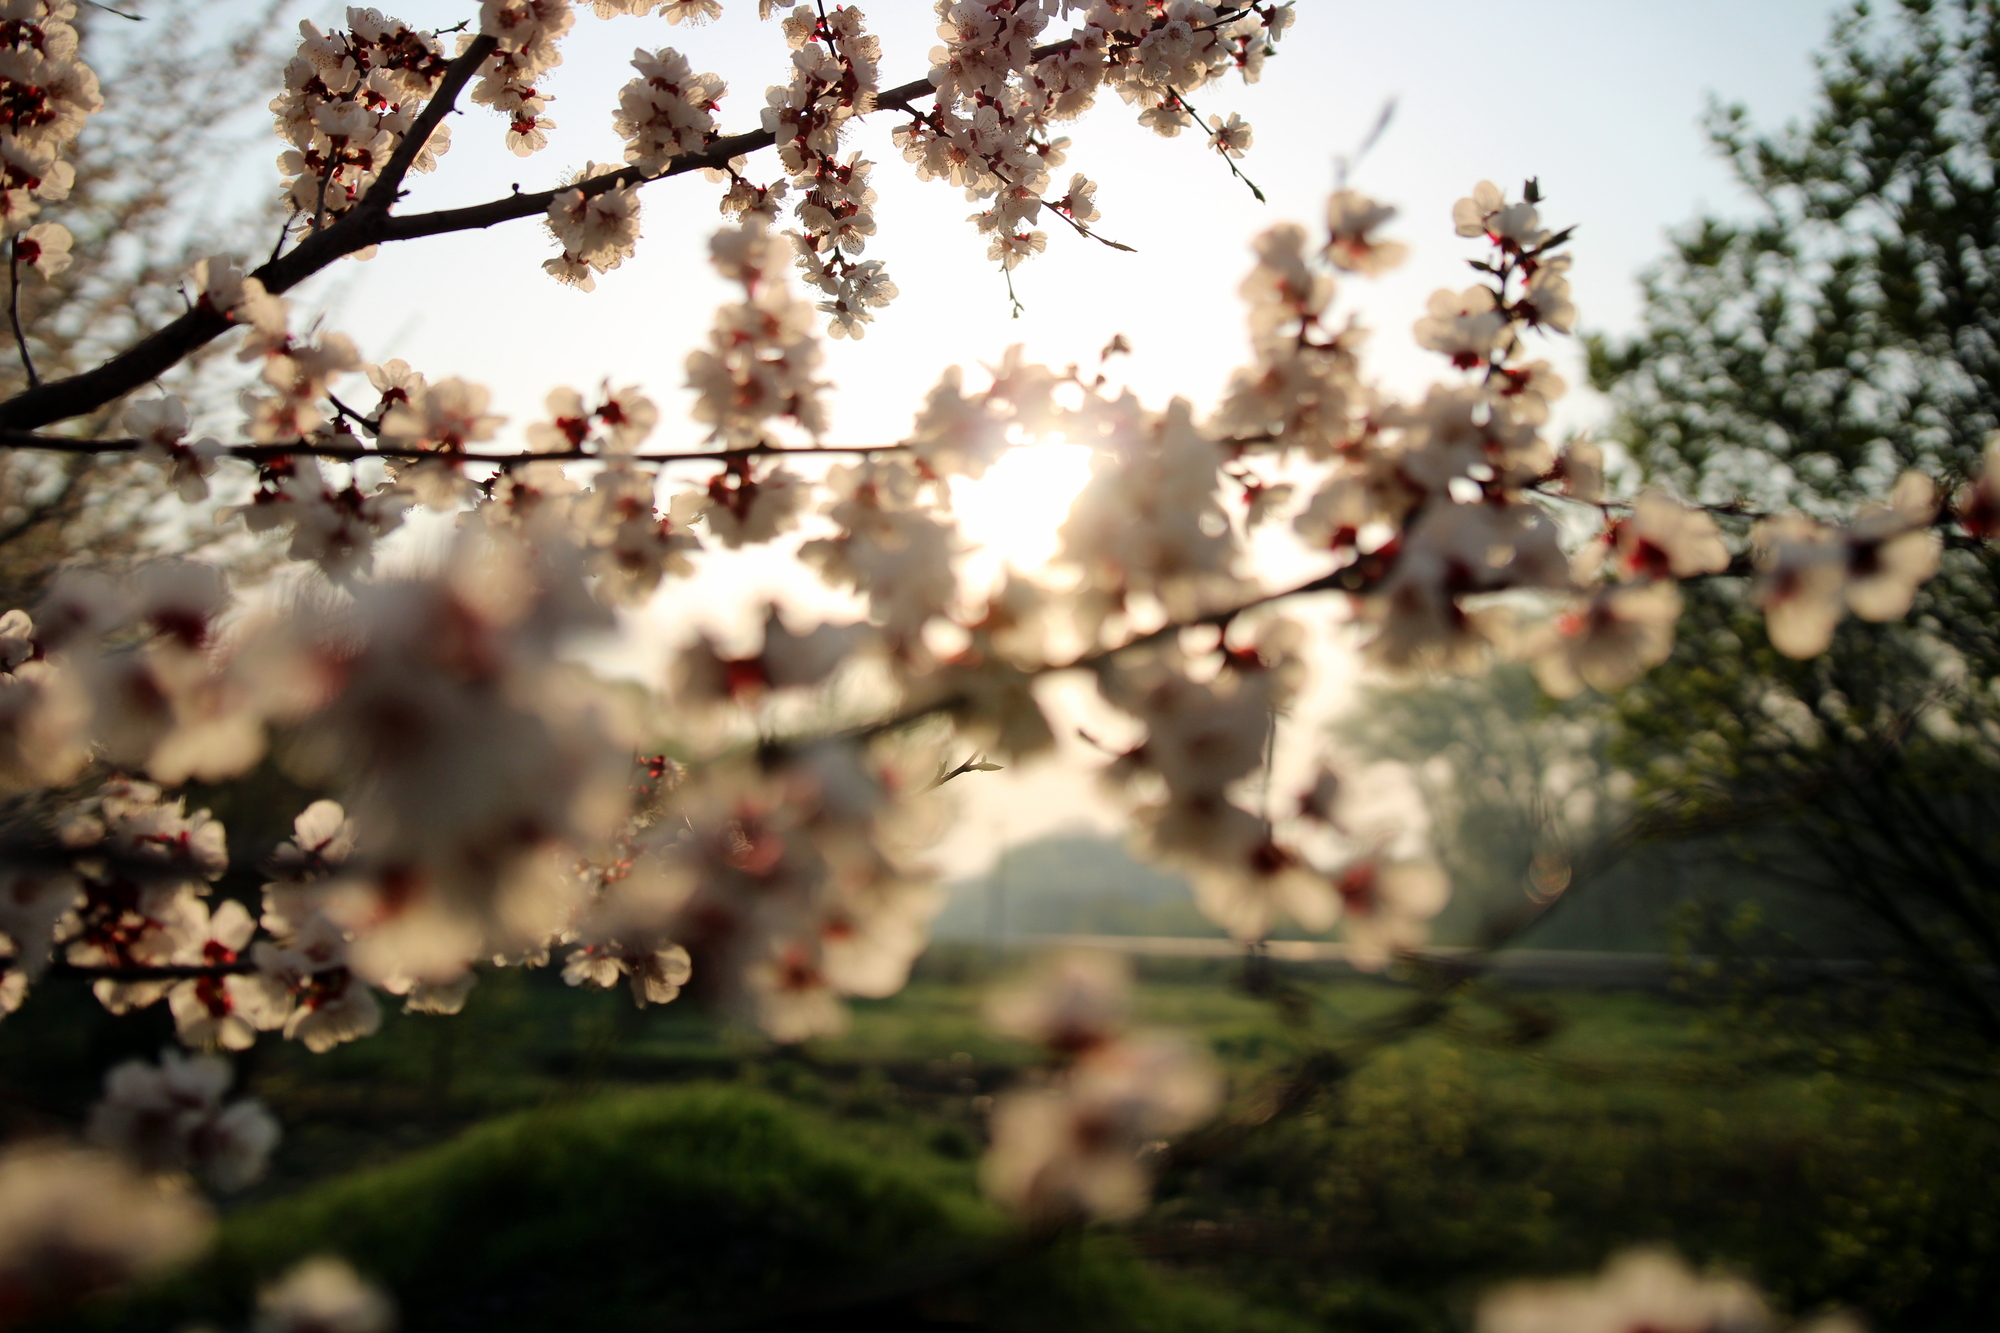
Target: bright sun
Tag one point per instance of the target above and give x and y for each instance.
(1014, 510)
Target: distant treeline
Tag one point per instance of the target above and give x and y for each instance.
(1086, 884)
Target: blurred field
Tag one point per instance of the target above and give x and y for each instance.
(1530, 1132)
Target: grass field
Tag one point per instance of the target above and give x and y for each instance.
(1532, 1134)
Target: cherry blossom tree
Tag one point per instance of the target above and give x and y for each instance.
(751, 828)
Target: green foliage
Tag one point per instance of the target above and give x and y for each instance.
(1804, 357)
(699, 1208)
(1854, 327)
(1457, 1160)
(1439, 1171)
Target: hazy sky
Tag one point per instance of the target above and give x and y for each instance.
(1599, 98)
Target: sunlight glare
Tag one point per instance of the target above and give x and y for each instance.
(1014, 510)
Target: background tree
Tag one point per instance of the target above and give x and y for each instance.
(146, 203)
(1806, 356)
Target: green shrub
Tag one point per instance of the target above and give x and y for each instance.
(697, 1208)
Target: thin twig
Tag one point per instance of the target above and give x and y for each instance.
(1214, 139)
(162, 972)
(284, 230)
(319, 203)
(1343, 166)
(14, 310)
(975, 763)
(1080, 228)
(374, 424)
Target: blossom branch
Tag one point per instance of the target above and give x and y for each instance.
(371, 223)
(350, 453)
(1348, 578)
(139, 971)
(368, 224)
(1217, 142)
(388, 186)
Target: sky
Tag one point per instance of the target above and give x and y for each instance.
(1599, 99)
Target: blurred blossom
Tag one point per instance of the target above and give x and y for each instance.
(74, 1221)
(1643, 1290)
(1077, 1146)
(170, 1118)
(1072, 1002)
(323, 1295)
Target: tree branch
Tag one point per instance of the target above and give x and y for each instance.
(388, 186)
(347, 453)
(1348, 579)
(160, 350)
(370, 223)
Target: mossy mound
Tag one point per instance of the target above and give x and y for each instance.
(703, 1208)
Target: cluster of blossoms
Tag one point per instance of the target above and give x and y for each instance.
(1812, 573)
(479, 769)
(757, 371)
(834, 78)
(1076, 1145)
(597, 232)
(527, 34)
(997, 92)
(668, 110)
(1438, 510)
(1209, 720)
(297, 371)
(778, 885)
(46, 94)
(351, 96)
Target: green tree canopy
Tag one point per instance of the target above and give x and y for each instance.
(1849, 330)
